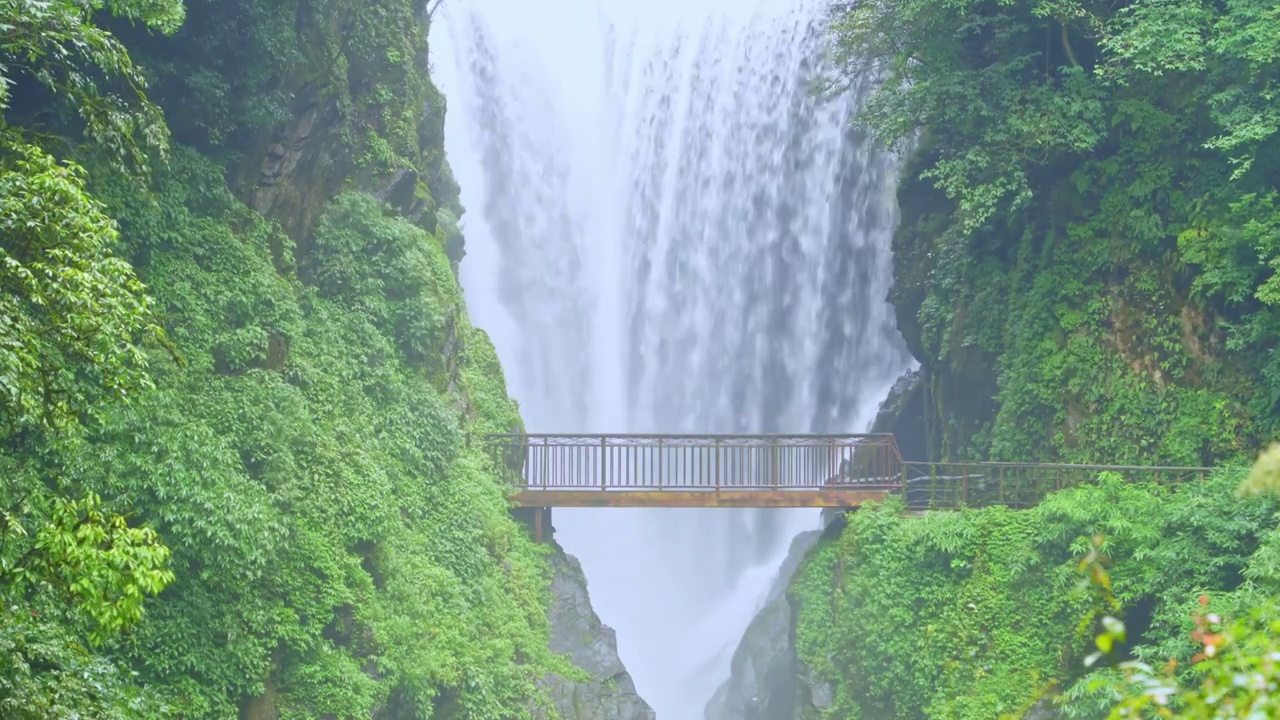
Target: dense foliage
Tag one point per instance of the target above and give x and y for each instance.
(1086, 268)
(271, 424)
(1091, 228)
(72, 571)
(1236, 672)
(982, 613)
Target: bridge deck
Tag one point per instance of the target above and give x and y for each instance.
(701, 470)
(772, 471)
(763, 498)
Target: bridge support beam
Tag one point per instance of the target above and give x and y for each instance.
(537, 519)
(541, 524)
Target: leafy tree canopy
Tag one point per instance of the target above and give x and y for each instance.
(1087, 259)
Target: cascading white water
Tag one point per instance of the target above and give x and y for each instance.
(669, 231)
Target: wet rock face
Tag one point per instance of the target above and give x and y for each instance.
(902, 415)
(764, 684)
(767, 680)
(609, 694)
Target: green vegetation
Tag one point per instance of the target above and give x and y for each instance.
(1086, 268)
(1090, 230)
(982, 613)
(1237, 663)
(241, 402)
(242, 473)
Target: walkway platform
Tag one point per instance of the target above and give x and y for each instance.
(762, 498)
(773, 471)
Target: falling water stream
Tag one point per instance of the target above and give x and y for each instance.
(668, 230)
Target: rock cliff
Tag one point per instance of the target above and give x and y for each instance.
(608, 692)
(291, 171)
(767, 680)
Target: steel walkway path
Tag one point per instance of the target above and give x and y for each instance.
(772, 471)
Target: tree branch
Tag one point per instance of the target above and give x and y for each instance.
(1066, 43)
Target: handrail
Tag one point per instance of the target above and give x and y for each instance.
(879, 437)
(1015, 484)
(786, 462)
(712, 461)
(1066, 466)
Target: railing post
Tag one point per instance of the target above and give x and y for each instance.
(545, 454)
(933, 490)
(661, 463)
(773, 462)
(717, 464)
(604, 461)
(904, 481)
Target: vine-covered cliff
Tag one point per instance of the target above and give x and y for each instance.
(1086, 260)
(243, 420)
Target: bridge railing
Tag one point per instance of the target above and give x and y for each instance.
(790, 462)
(1017, 485)
(700, 462)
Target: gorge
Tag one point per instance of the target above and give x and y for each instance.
(273, 271)
(671, 231)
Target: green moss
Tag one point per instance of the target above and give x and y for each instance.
(236, 68)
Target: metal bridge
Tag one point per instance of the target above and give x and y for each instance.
(772, 471)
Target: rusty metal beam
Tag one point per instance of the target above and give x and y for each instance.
(841, 498)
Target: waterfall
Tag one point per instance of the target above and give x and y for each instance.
(669, 230)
